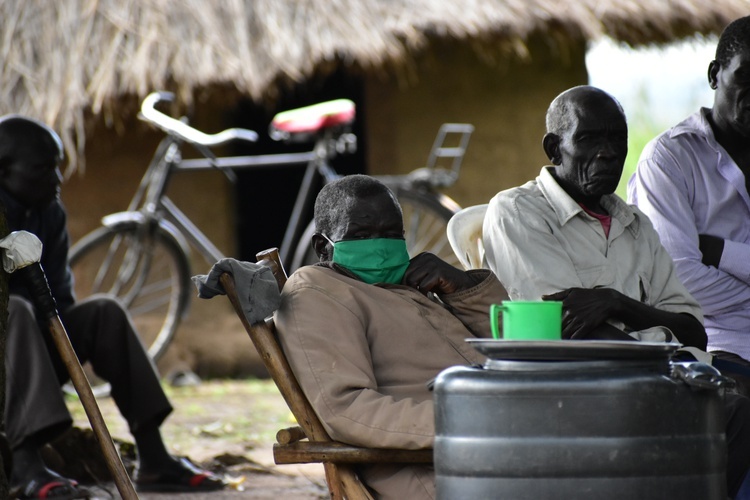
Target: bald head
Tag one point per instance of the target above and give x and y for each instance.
(562, 110)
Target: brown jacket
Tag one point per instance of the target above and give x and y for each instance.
(364, 354)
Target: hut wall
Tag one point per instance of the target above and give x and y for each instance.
(505, 101)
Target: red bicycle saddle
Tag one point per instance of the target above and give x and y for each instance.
(312, 119)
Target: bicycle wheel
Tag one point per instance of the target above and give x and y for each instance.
(426, 216)
(147, 270)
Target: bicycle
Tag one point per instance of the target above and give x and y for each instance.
(141, 255)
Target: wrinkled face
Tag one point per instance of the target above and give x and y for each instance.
(33, 176)
(591, 151)
(732, 99)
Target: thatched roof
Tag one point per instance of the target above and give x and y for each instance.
(64, 59)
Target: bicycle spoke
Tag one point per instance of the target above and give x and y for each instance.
(150, 306)
(425, 223)
(147, 272)
(103, 269)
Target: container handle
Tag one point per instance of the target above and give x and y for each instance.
(700, 375)
(494, 322)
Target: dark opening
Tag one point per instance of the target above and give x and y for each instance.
(265, 197)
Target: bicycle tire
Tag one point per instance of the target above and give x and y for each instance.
(426, 216)
(154, 290)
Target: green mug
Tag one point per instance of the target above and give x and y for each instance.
(527, 320)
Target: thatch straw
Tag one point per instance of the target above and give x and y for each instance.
(65, 59)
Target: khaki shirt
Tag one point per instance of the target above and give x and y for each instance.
(538, 241)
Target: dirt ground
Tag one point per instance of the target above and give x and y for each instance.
(228, 426)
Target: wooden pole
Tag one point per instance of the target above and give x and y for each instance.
(83, 388)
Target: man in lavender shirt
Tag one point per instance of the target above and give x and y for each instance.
(692, 181)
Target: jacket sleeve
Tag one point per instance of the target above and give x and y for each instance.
(331, 360)
(472, 306)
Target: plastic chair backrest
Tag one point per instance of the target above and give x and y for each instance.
(465, 235)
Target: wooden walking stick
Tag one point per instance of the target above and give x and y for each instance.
(23, 251)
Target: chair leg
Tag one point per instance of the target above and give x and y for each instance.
(343, 484)
(332, 479)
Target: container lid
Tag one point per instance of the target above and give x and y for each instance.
(571, 350)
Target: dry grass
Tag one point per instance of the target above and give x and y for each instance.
(63, 61)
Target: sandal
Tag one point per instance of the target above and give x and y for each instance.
(187, 478)
(52, 488)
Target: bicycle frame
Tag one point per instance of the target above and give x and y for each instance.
(152, 204)
(150, 200)
(141, 255)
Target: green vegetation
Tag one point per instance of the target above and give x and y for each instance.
(643, 125)
(640, 132)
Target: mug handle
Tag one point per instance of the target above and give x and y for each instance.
(494, 322)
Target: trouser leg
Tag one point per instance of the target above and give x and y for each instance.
(741, 372)
(738, 440)
(101, 333)
(34, 405)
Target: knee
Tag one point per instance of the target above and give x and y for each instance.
(20, 309)
(105, 305)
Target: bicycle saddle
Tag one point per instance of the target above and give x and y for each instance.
(312, 119)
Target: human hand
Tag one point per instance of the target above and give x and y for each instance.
(711, 247)
(584, 309)
(429, 273)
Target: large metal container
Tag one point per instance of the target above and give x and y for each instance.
(579, 420)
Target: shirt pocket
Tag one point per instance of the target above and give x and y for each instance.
(596, 276)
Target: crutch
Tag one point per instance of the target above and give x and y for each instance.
(23, 252)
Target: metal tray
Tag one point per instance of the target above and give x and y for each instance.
(569, 350)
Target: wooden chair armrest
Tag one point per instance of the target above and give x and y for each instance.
(290, 435)
(332, 451)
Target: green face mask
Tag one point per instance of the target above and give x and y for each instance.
(377, 260)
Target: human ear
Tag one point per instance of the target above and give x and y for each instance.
(713, 72)
(320, 245)
(551, 145)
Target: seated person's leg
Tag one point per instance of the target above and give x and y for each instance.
(35, 411)
(738, 440)
(735, 367)
(101, 333)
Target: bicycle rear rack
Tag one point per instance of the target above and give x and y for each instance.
(432, 174)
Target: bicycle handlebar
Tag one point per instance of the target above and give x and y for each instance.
(184, 131)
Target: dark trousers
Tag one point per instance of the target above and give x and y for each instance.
(737, 411)
(101, 333)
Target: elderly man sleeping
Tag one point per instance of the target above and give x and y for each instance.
(367, 328)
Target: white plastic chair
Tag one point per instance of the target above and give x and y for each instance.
(465, 235)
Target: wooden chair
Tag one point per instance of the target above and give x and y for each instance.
(309, 442)
(465, 236)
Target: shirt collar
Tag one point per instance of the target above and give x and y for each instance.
(566, 208)
(696, 124)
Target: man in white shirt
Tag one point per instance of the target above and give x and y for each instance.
(565, 236)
